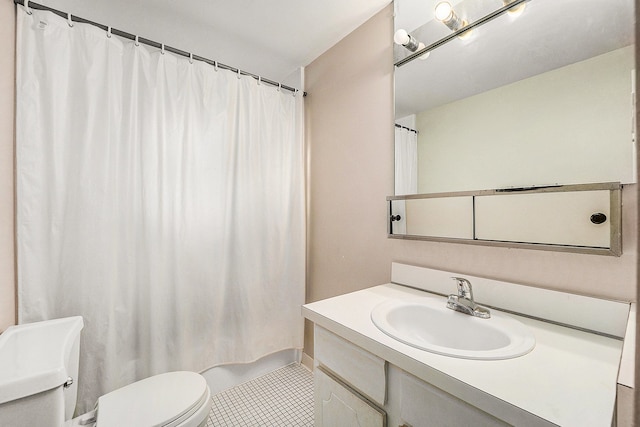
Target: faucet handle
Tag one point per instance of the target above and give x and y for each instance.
(464, 288)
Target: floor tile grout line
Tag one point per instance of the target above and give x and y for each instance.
(284, 396)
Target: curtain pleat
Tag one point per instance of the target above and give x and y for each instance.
(161, 200)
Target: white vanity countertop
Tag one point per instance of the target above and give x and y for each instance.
(569, 378)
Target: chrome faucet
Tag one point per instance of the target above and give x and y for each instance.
(464, 303)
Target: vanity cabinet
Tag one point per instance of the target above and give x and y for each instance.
(353, 387)
(570, 378)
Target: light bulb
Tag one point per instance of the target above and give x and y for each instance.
(444, 11)
(516, 10)
(426, 55)
(467, 33)
(405, 39)
(401, 37)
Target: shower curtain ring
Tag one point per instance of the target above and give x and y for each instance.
(238, 73)
(279, 87)
(69, 21)
(26, 6)
(259, 80)
(191, 58)
(137, 43)
(162, 48)
(109, 32)
(295, 92)
(215, 65)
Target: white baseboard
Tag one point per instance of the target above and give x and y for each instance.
(307, 361)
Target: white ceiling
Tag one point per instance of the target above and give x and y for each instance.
(274, 38)
(270, 38)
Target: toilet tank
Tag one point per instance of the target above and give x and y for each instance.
(36, 361)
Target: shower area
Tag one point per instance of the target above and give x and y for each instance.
(160, 195)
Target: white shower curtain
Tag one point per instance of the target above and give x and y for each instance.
(160, 199)
(406, 161)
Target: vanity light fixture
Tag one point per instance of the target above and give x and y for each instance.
(405, 39)
(516, 10)
(444, 13)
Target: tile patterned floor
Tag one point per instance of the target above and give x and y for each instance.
(281, 398)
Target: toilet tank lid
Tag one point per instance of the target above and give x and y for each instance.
(33, 356)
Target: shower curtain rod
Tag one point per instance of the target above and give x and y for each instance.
(129, 36)
(404, 127)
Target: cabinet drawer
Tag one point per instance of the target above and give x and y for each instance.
(357, 367)
(562, 218)
(337, 406)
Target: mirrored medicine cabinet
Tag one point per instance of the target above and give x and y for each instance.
(518, 132)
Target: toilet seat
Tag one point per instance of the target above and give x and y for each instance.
(165, 400)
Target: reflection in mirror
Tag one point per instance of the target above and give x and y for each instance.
(406, 148)
(540, 98)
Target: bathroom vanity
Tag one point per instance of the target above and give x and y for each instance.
(363, 376)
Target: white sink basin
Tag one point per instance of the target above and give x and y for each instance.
(429, 325)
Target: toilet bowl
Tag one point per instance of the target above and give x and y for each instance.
(38, 385)
(174, 399)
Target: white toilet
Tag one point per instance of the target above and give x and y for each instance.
(38, 385)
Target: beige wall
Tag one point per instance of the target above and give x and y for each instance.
(7, 73)
(349, 125)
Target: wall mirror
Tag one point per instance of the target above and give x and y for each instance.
(536, 98)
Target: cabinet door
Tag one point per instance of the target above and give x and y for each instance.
(338, 406)
(398, 223)
(423, 405)
(450, 217)
(577, 218)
